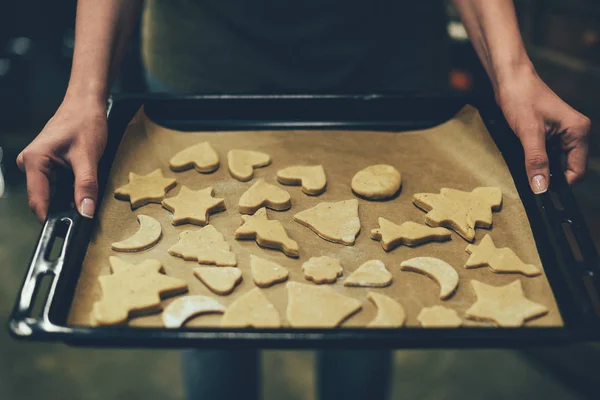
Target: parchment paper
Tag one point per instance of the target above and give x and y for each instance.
(457, 154)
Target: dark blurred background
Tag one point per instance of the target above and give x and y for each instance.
(36, 44)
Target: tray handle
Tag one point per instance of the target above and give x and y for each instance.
(572, 231)
(62, 221)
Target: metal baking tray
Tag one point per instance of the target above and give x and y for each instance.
(564, 244)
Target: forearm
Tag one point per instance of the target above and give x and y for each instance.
(102, 29)
(493, 30)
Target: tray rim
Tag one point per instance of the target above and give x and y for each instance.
(22, 326)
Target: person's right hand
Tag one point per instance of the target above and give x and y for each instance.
(75, 137)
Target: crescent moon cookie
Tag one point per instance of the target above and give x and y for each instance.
(268, 233)
(201, 156)
(377, 182)
(242, 163)
(322, 269)
(205, 245)
(439, 317)
(390, 313)
(409, 234)
(311, 306)
(252, 309)
(336, 222)
(263, 194)
(436, 269)
(147, 235)
(370, 274)
(144, 189)
(193, 206)
(133, 290)
(220, 280)
(500, 260)
(312, 178)
(505, 305)
(182, 309)
(460, 211)
(266, 273)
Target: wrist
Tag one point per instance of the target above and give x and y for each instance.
(514, 79)
(514, 70)
(89, 93)
(85, 105)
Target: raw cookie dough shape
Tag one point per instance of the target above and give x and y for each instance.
(266, 273)
(322, 269)
(409, 234)
(268, 233)
(439, 317)
(390, 313)
(505, 305)
(147, 235)
(205, 245)
(193, 206)
(263, 194)
(242, 163)
(377, 182)
(336, 222)
(252, 309)
(201, 156)
(370, 274)
(460, 211)
(439, 270)
(500, 260)
(184, 308)
(133, 290)
(220, 280)
(144, 189)
(311, 306)
(312, 178)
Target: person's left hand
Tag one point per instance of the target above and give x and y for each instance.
(535, 112)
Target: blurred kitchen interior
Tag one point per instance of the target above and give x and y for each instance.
(36, 43)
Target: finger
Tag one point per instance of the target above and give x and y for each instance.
(536, 159)
(20, 162)
(38, 189)
(86, 183)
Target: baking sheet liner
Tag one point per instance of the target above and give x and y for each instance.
(457, 154)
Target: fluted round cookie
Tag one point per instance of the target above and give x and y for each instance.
(377, 182)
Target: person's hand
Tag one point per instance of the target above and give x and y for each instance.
(535, 112)
(75, 137)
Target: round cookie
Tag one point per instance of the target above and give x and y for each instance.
(377, 182)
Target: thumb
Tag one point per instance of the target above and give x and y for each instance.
(536, 159)
(85, 170)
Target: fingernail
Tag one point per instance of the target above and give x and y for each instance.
(539, 184)
(87, 207)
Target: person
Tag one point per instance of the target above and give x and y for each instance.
(286, 46)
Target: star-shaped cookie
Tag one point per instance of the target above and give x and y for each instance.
(409, 234)
(133, 289)
(144, 189)
(193, 206)
(460, 211)
(268, 233)
(499, 260)
(505, 305)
